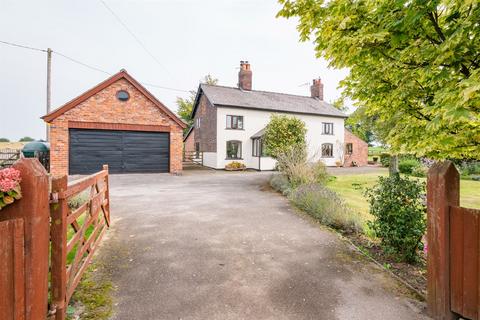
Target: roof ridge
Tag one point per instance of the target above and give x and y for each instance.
(265, 91)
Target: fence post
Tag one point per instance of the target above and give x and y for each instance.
(34, 211)
(59, 248)
(107, 194)
(443, 191)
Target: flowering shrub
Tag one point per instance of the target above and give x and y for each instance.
(9, 186)
(235, 165)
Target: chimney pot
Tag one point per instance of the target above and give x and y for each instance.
(316, 89)
(245, 76)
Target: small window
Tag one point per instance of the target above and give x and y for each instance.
(197, 123)
(123, 95)
(327, 150)
(327, 128)
(235, 122)
(349, 148)
(234, 149)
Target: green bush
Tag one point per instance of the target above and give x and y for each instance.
(406, 166)
(282, 134)
(280, 183)
(78, 200)
(294, 165)
(326, 206)
(397, 205)
(385, 159)
(468, 168)
(420, 171)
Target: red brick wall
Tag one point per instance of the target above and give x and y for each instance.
(106, 108)
(206, 135)
(360, 150)
(189, 143)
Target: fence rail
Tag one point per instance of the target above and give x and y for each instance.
(193, 157)
(86, 223)
(9, 156)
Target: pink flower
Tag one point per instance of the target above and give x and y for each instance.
(9, 179)
(11, 174)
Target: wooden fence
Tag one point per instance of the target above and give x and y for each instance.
(193, 157)
(453, 261)
(9, 156)
(87, 223)
(30, 226)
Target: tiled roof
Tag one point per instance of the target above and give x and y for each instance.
(269, 101)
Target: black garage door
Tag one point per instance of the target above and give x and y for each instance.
(123, 151)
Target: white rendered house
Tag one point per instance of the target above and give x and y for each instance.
(229, 123)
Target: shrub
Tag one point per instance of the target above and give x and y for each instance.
(468, 168)
(420, 171)
(397, 205)
(407, 166)
(235, 165)
(385, 159)
(294, 165)
(282, 134)
(280, 183)
(326, 206)
(76, 201)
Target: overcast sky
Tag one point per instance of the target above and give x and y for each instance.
(189, 38)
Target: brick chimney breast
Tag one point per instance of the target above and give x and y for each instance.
(245, 76)
(316, 89)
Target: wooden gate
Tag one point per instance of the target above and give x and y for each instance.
(12, 266)
(453, 248)
(86, 225)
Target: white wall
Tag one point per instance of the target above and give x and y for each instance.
(210, 159)
(255, 120)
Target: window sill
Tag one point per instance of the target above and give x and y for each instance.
(328, 134)
(325, 157)
(234, 129)
(233, 158)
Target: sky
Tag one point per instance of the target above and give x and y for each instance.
(187, 39)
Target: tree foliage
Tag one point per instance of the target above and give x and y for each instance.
(414, 66)
(26, 139)
(282, 134)
(4, 140)
(185, 105)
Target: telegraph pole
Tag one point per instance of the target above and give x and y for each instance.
(49, 92)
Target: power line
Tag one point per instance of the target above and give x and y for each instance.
(135, 37)
(87, 65)
(23, 46)
(81, 63)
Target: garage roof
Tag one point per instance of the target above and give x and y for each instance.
(120, 75)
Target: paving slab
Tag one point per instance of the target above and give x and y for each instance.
(220, 245)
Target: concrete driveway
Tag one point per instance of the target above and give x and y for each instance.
(217, 245)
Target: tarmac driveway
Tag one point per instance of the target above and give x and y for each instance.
(217, 245)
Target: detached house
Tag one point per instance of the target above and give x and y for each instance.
(229, 123)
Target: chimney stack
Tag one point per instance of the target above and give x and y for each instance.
(316, 89)
(245, 76)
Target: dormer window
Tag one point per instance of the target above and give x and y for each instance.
(123, 95)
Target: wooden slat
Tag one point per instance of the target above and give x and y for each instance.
(83, 184)
(75, 214)
(12, 266)
(84, 266)
(470, 266)
(456, 259)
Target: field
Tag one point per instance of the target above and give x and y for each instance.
(352, 186)
(11, 145)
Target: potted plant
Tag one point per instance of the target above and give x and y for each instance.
(338, 163)
(235, 166)
(9, 186)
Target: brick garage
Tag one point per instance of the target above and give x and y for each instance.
(101, 110)
(358, 152)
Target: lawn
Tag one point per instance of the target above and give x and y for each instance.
(351, 187)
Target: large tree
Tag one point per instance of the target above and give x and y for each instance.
(414, 65)
(185, 105)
